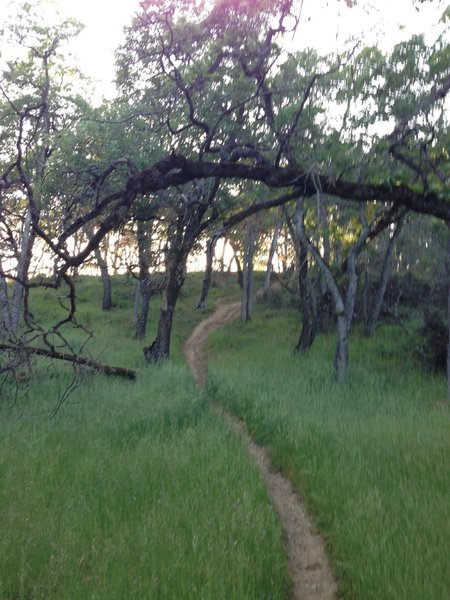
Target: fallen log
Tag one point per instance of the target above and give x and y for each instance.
(73, 358)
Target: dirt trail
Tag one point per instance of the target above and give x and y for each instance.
(309, 569)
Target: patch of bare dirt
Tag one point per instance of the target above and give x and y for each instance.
(309, 569)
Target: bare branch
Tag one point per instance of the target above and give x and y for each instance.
(79, 360)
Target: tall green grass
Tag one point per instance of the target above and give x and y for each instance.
(113, 331)
(132, 489)
(371, 458)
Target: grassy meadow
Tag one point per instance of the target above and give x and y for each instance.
(132, 489)
(370, 458)
(135, 490)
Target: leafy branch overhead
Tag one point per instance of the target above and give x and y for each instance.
(209, 103)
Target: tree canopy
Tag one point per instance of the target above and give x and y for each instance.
(207, 92)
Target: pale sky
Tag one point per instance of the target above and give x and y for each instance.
(325, 24)
(104, 20)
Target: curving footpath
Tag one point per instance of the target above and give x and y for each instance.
(309, 569)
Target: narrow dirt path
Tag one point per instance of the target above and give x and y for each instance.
(309, 569)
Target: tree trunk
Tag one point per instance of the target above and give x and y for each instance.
(322, 221)
(210, 247)
(377, 302)
(309, 328)
(325, 312)
(345, 318)
(352, 287)
(143, 287)
(341, 355)
(107, 303)
(5, 325)
(181, 238)
(307, 305)
(240, 275)
(23, 266)
(284, 265)
(41, 151)
(222, 256)
(269, 268)
(309, 317)
(343, 328)
(247, 287)
(160, 349)
(77, 243)
(142, 307)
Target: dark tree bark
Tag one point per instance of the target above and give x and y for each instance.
(210, 247)
(107, 302)
(142, 307)
(341, 355)
(307, 305)
(309, 319)
(143, 287)
(377, 302)
(182, 235)
(240, 275)
(247, 287)
(77, 242)
(322, 221)
(159, 351)
(272, 250)
(16, 305)
(175, 170)
(325, 311)
(72, 358)
(5, 324)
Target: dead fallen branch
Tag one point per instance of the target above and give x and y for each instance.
(74, 359)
